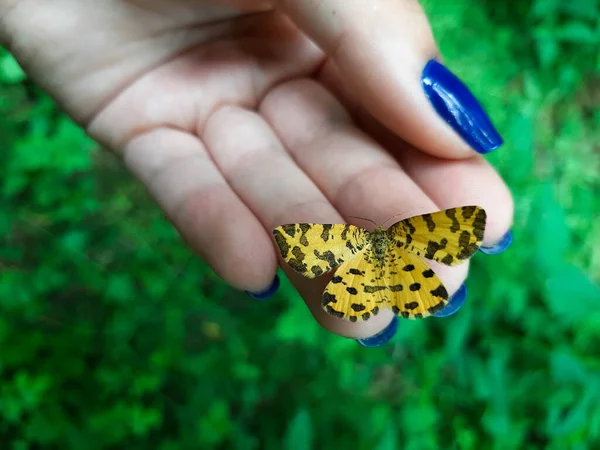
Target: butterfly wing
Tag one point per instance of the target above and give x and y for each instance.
(449, 237)
(415, 291)
(312, 249)
(357, 290)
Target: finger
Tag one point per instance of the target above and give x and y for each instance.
(179, 173)
(261, 172)
(384, 51)
(353, 171)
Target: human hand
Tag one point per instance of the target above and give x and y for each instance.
(241, 115)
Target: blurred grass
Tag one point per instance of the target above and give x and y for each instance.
(113, 335)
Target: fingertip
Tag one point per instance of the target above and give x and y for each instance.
(383, 337)
(500, 246)
(266, 293)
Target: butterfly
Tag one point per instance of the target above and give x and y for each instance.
(383, 268)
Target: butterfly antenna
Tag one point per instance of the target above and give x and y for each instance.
(362, 218)
(393, 217)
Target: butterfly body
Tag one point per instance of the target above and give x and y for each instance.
(383, 268)
(379, 242)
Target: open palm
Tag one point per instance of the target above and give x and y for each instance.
(241, 115)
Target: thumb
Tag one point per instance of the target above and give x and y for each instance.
(386, 55)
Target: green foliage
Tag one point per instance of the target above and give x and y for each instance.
(112, 335)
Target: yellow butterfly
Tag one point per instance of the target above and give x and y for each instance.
(383, 268)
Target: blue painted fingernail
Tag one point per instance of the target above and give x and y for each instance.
(456, 105)
(456, 301)
(500, 246)
(267, 293)
(382, 337)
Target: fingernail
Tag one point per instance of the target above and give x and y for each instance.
(267, 293)
(456, 105)
(500, 246)
(456, 301)
(382, 337)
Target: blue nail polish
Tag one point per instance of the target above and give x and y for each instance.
(267, 293)
(456, 301)
(500, 246)
(456, 105)
(382, 337)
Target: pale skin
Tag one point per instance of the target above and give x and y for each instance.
(242, 115)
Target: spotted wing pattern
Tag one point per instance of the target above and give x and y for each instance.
(313, 249)
(361, 287)
(357, 290)
(415, 290)
(449, 237)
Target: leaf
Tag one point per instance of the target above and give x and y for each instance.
(299, 434)
(566, 367)
(577, 32)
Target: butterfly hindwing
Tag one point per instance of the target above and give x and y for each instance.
(313, 249)
(415, 291)
(357, 290)
(449, 237)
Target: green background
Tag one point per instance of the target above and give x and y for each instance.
(113, 336)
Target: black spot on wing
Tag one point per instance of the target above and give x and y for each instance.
(289, 229)
(327, 256)
(344, 234)
(447, 259)
(440, 292)
(451, 213)
(436, 308)
(479, 224)
(356, 272)
(408, 268)
(428, 273)
(467, 211)
(316, 270)
(304, 228)
(433, 247)
(396, 288)
(298, 266)
(429, 222)
(282, 244)
(357, 307)
(351, 290)
(325, 232)
(328, 298)
(411, 305)
(410, 226)
(333, 312)
(415, 287)
(336, 279)
(373, 289)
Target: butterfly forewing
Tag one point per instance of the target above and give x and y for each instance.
(449, 237)
(313, 249)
